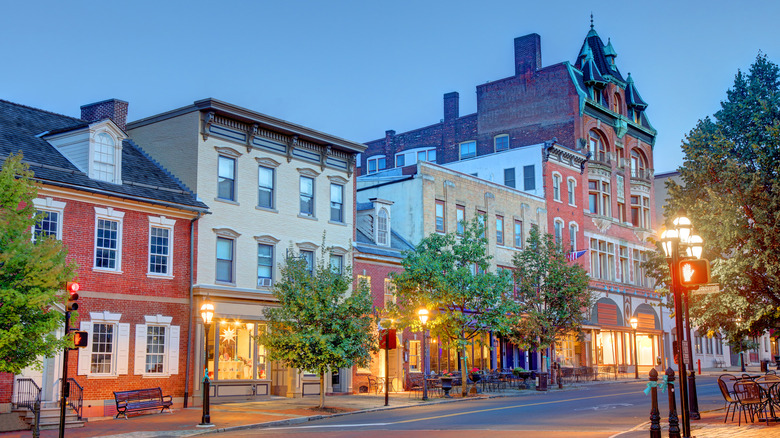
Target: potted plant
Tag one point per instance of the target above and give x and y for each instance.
(446, 382)
(474, 375)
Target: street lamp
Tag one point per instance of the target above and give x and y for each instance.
(207, 313)
(423, 315)
(634, 322)
(674, 241)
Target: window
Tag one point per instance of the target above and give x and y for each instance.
(501, 142)
(558, 229)
(308, 257)
(358, 160)
(427, 155)
(573, 236)
(638, 166)
(599, 197)
(499, 230)
(640, 211)
(481, 216)
(697, 343)
(621, 212)
(376, 164)
(602, 259)
(440, 217)
(718, 344)
(509, 177)
(307, 196)
(265, 187)
(103, 348)
(468, 149)
(159, 250)
(108, 239)
(637, 116)
(556, 187)
(616, 106)
(265, 265)
(415, 352)
(389, 292)
(226, 178)
(155, 349)
(225, 260)
(104, 158)
(518, 234)
(598, 148)
(640, 278)
(571, 187)
(529, 179)
(364, 281)
(623, 263)
(383, 228)
(400, 160)
(460, 217)
(48, 225)
(337, 203)
(337, 263)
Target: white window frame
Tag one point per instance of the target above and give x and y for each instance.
(558, 230)
(340, 220)
(383, 227)
(170, 346)
(108, 214)
(269, 241)
(311, 196)
(116, 155)
(468, 154)
(574, 228)
(47, 205)
(556, 186)
(272, 188)
(337, 261)
(234, 179)
(120, 345)
(572, 188)
(226, 233)
(161, 222)
(415, 347)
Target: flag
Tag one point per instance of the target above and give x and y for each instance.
(574, 255)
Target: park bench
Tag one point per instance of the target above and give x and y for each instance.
(720, 363)
(141, 400)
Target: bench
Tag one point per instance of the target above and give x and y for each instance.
(720, 363)
(141, 400)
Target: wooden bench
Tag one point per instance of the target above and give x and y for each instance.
(720, 364)
(141, 400)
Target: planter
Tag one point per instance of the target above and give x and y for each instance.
(446, 385)
(475, 377)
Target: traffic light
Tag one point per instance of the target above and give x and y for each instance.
(73, 296)
(80, 338)
(694, 272)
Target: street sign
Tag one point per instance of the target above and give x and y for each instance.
(686, 357)
(707, 289)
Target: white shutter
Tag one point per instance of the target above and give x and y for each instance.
(85, 353)
(173, 350)
(140, 349)
(123, 345)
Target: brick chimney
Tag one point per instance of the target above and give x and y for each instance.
(528, 54)
(451, 106)
(113, 109)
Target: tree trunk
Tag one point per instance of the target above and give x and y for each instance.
(322, 390)
(464, 387)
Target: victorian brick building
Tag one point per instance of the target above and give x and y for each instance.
(128, 225)
(588, 151)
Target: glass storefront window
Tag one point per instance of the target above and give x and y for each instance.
(238, 357)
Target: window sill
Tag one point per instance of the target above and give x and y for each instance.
(269, 210)
(558, 201)
(101, 377)
(155, 376)
(159, 276)
(308, 217)
(227, 201)
(107, 271)
(337, 223)
(224, 283)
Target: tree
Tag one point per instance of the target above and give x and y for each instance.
(731, 192)
(448, 275)
(552, 294)
(318, 325)
(32, 275)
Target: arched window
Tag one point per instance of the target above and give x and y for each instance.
(617, 104)
(558, 231)
(382, 228)
(638, 164)
(556, 180)
(104, 158)
(598, 147)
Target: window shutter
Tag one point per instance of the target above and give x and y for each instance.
(173, 350)
(123, 345)
(140, 349)
(85, 353)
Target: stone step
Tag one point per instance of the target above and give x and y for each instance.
(55, 426)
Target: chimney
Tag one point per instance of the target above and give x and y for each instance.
(451, 106)
(113, 109)
(528, 54)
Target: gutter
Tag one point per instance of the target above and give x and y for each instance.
(191, 316)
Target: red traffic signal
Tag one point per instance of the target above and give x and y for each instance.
(80, 339)
(694, 272)
(73, 296)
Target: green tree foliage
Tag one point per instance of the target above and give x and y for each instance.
(448, 275)
(731, 192)
(319, 325)
(32, 275)
(552, 293)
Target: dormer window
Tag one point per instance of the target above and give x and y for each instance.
(383, 228)
(103, 158)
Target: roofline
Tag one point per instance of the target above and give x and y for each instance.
(250, 116)
(667, 174)
(432, 125)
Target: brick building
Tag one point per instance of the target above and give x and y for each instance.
(588, 152)
(129, 226)
(273, 187)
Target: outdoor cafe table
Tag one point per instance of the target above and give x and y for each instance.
(769, 390)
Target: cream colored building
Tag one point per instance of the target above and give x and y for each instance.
(272, 187)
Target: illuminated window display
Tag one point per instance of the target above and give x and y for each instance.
(238, 357)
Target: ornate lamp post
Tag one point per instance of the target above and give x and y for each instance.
(634, 323)
(423, 315)
(676, 240)
(207, 313)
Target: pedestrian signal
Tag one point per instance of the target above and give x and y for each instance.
(694, 272)
(80, 339)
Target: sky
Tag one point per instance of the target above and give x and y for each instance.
(355, 69)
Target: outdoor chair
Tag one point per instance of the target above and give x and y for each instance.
(729, 400)
(415, 384)
(750, 398)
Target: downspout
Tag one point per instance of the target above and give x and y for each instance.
(191, 316)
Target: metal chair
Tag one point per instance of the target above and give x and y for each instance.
(750, 397)
(729, 400)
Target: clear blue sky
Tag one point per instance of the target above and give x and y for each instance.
(357, 68)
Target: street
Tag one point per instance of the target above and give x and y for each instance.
(602, 410)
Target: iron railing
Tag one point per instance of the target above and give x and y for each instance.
(27, 393)
(76, 397)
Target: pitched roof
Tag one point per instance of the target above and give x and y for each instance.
(600, 53)
(22, 129)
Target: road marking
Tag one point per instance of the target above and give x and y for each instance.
(514, 407)
(604, 407)
(329, 425)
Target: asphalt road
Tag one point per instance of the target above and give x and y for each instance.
(603, 410)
